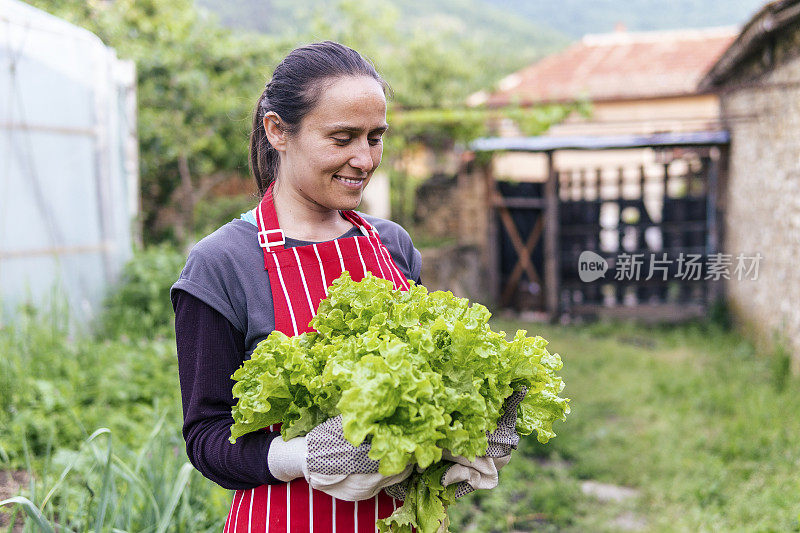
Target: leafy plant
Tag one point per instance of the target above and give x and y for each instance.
(53, 385)
(140, 306)
(108, 488)
(413, 371)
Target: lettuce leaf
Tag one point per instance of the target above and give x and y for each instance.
(414, 372)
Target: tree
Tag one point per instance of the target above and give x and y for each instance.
(194, 115)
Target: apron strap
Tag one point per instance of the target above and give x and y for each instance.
(359, 222)
(270, 234)
(269, 231)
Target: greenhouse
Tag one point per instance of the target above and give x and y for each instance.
(69, 178)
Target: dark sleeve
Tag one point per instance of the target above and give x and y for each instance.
(210, 349)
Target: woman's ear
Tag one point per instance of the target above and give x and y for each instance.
(276, 135)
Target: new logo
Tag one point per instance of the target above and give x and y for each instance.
(591, 266)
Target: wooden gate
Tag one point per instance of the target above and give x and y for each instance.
(654, 228)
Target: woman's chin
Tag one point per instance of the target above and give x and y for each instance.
(348, 202)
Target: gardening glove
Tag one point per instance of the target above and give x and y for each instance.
(330, 463)
(470, 475)
(482, 473)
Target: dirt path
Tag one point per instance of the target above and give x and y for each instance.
(11, 483)
(606, 492)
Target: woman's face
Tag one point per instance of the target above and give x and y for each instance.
(338, 146)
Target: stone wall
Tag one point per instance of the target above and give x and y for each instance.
(454, 210)
(436, 208)
(455, 268)
(761, 109)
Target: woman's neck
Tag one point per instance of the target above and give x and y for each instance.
(305, 220)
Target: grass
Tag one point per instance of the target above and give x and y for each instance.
(702, 426)
(95, 423)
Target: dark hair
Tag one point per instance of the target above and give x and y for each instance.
(293, 91)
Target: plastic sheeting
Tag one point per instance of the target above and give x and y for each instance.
(68, 163)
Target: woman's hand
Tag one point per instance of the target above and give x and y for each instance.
(330, 463)
(482, 473)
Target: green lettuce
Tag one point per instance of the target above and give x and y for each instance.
(415, 372)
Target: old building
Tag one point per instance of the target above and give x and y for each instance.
(635, 83)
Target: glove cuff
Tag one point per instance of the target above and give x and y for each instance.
(287, 460)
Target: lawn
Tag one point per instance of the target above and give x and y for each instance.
(703, 429)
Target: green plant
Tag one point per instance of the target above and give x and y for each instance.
(139, 307)
(54, 386)
(719, 314)
(213, 212)
(780, 365)
(110, 488)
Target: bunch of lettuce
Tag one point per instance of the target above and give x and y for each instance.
(414, 371)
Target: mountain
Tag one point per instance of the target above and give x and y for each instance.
(479, 36)
(576, 18)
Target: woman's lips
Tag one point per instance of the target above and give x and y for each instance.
(352, 183)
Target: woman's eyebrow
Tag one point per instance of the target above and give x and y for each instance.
(353, 129)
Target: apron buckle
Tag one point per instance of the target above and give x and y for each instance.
(263, 238)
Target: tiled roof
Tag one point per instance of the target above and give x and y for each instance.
(618, 66)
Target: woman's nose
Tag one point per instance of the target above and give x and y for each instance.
(362, 157)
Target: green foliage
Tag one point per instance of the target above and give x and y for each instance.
(55, 387)
(432, 53)
(720, 315)
(111, 487)
(688, 415)
(139, 306)
(194, 78)
(442, 128)
(781, 366)
(425, 506)
(214, 212)
(197, 87)
(532, 495)
(415, 372)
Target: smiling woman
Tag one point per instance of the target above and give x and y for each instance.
(316, 141)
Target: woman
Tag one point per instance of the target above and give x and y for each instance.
(315, 144)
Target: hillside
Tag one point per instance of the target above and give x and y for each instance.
(489, 38)
(576, 18)
(477, 36)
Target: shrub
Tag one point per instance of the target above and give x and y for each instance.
(140, 306)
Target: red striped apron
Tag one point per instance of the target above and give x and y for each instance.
(299, 278)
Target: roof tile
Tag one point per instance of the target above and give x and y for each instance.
(619, 66)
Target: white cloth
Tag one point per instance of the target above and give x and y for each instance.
(482, 473)
(349, 474)
(287, 460)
